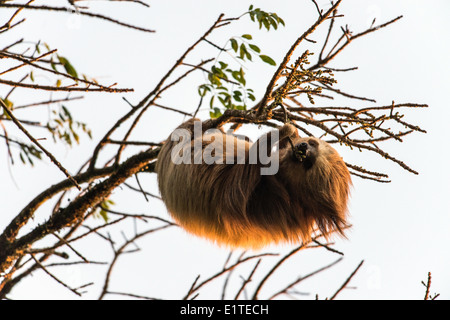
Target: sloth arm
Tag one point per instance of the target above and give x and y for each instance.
(286, 132)
(249, 175)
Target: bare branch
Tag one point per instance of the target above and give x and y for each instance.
(286, 289)
(278, 264)
(69, 10)
(287, 58)
(48, 154)
(53, 277)
(225, 270)
(119, 252)
(248, 280)
(347, 281)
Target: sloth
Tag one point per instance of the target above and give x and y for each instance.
(235, 205)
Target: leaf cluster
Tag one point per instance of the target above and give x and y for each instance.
(265, 19)
(227, 83)
(60, 64)
(65, 129)
(102, 210)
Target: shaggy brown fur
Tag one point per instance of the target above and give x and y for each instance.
(234, 204)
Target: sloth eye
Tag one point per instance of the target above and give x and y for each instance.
(313, 143)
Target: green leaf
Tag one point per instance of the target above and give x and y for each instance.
(247, 36)
(223, 101)
(21, 158)
(273, 23)
(68, 66)
(223, 65)
(76, 137)
(53, 65)
(104, 215)
(242, 76)
(278, 19)
(239, 76)
(203, 89)
(8, 103)
(237, 96)
(255, 48)
(234, 44)
(218, 72)
(67, 113)
(268, 60)
(242, 51)
(215, 114)
(215, 80)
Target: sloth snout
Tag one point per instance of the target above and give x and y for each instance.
(302, 146)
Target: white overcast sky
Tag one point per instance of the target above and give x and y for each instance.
(401, 229)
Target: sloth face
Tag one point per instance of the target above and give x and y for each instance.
(306, 151)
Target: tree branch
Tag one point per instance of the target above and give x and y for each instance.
(70, 10)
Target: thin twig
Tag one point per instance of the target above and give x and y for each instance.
(35, 104)
(132, 295)
(197, 287)
(69, 10)
(318, 9)
(427, 286)
(278, 264)
(248, 280)
(120, 251)
(8, 24)
(300, 279)
(225, 284)
(71, 248)
(347, 281)
(134, 143)
(48, 154)
(53, 277)
(328, 248)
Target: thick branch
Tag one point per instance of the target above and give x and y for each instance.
(75, 211)
(11, 231)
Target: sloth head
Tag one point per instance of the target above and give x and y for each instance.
(308, 155)
(314, 171)
(306, 151)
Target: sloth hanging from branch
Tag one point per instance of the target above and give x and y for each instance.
(232, 201)
(289, 186)
(243, 194)
(214, 184)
